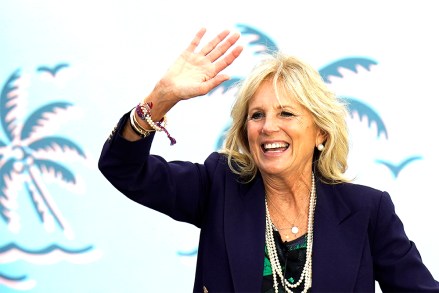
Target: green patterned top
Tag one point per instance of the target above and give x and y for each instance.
(293, 254)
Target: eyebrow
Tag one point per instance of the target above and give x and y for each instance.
(277, 107)
(283, 107)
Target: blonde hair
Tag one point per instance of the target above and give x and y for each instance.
(303, 83)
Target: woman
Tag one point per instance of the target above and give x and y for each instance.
(276, 213)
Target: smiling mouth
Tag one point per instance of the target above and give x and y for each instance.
(274, 147)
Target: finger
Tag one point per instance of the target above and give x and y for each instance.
(223, 48)
(228, 59)
(213, 43)
(196, 40)
(212, 83)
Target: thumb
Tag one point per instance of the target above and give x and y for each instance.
(217, 80)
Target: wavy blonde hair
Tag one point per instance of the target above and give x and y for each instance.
(292, 78)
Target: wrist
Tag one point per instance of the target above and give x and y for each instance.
(136, 127)
(163, 96)
(143, 112)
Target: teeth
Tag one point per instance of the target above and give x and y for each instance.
(275, 145)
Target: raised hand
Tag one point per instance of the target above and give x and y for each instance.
(196, 72)
(193, 74)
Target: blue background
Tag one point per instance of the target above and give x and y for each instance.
(381, 54)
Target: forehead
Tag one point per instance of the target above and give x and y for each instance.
(266, 96)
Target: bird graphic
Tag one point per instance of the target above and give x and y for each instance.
(26, 155)
(52, 71)
(395, 169)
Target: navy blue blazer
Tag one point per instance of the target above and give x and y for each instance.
(358, 238)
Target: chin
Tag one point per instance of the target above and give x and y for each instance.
(271, 171)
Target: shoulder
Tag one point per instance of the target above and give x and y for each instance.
(356, 190)
(217, 165)
(357, 196)
(348, 199)
(216, 158)
(218, 169)
(216, 161)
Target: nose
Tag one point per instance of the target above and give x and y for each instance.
(270, 125)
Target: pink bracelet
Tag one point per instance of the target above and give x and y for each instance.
(143, 111)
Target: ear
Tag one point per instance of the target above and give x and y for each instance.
(321, 137)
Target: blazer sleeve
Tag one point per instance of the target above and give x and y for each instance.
(397, 263)
(178, 189)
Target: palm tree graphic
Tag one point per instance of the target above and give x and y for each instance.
(261, 44)
(25, 158)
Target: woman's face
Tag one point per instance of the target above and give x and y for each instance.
(281, 138)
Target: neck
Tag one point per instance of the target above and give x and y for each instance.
(289, 206)
(305, 277)
(293, 191)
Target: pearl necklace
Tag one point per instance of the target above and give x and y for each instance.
(293, 227)
(272, 252)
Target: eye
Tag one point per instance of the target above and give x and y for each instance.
(286, 114)
(256, 116)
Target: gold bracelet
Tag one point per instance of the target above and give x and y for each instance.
(136, 126)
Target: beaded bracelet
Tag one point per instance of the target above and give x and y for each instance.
(143, 111)
(138, 129)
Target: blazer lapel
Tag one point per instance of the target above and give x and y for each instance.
(339, 237)
(244, 225)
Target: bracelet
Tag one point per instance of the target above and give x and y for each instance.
(135, 130)
(143, 111)
(138, 129)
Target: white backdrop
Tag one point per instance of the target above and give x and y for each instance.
(92, 239)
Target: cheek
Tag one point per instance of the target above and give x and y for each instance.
(251, 133)
(252, 137)
(303, 137)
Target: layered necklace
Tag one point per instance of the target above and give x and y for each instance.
(294, 229)
(272, 251)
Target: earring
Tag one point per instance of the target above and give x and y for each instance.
(320, 147)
